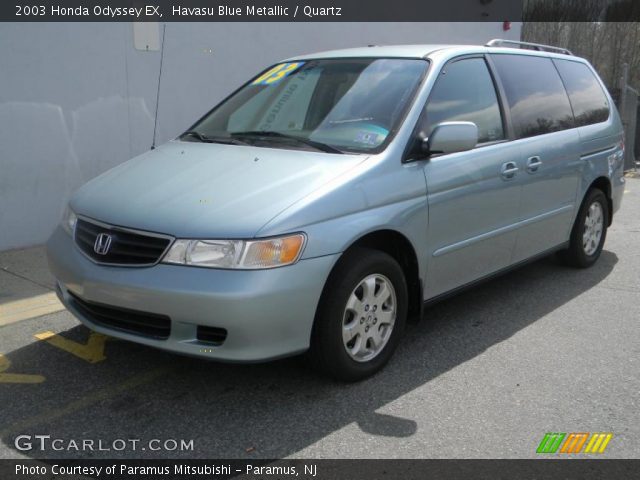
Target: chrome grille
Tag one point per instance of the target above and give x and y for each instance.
(126, 247)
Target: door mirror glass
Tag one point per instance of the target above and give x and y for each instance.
(451, 137)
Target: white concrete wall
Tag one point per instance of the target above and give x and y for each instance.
(78, 98)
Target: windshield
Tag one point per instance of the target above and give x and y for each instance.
(330, 105)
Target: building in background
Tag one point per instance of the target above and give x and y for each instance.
(79, 98)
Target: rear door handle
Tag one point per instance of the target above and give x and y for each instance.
(533, 164)
(509, 170)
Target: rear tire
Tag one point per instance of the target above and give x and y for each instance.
(589, 231)
(360, 317)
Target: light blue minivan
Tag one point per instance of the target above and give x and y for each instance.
(329, 198)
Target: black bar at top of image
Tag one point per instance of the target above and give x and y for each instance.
(261, 10)
(319, 10)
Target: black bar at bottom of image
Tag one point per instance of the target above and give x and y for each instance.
(319, 469)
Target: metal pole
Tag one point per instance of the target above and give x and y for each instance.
(629, 162)
(624, 82)
(155, 119)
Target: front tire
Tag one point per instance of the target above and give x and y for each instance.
(589, 231)
(361, 315)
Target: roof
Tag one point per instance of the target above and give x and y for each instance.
(400, 51)
(422, 51)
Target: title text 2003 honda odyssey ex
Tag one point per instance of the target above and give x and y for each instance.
(319, 205)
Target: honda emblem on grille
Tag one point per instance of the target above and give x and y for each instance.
(103, 243)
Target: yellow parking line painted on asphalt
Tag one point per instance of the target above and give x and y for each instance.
(92, 351)
(16, 377)
(32, 307)
(51, 415)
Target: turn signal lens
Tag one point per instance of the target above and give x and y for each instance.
(273, 252)
(69, 220)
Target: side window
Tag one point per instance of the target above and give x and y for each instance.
(589, 102)
(536, 96)
(465, 92)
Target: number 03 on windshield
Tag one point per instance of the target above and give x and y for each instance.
(277, 73)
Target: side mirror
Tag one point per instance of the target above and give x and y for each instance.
(451, 137)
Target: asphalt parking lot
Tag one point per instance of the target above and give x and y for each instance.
(485, 374)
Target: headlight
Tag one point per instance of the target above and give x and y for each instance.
(69, 220)
(237, 254)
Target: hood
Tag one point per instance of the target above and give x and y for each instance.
(199, 190)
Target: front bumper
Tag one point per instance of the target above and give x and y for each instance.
(267, 313)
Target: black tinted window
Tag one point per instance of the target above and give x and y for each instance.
(465, 92)
(536, 96)
(589, 102)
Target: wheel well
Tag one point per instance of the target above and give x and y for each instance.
(399, 247)
(603, 184)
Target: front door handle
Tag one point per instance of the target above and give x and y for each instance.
(509, 170)
(533, 164)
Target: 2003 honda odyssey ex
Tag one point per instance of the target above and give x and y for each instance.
(328, 198)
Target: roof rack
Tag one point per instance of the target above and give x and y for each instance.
(498, 42)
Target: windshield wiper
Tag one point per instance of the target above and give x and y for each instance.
(206, 139)
(271, 134)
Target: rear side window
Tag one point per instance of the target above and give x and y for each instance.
(589, 102)
(465, 92)
(535, 93)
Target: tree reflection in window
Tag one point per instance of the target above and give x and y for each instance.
(537, 99)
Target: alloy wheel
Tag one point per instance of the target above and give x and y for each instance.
(593, 227)
(369, 317)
